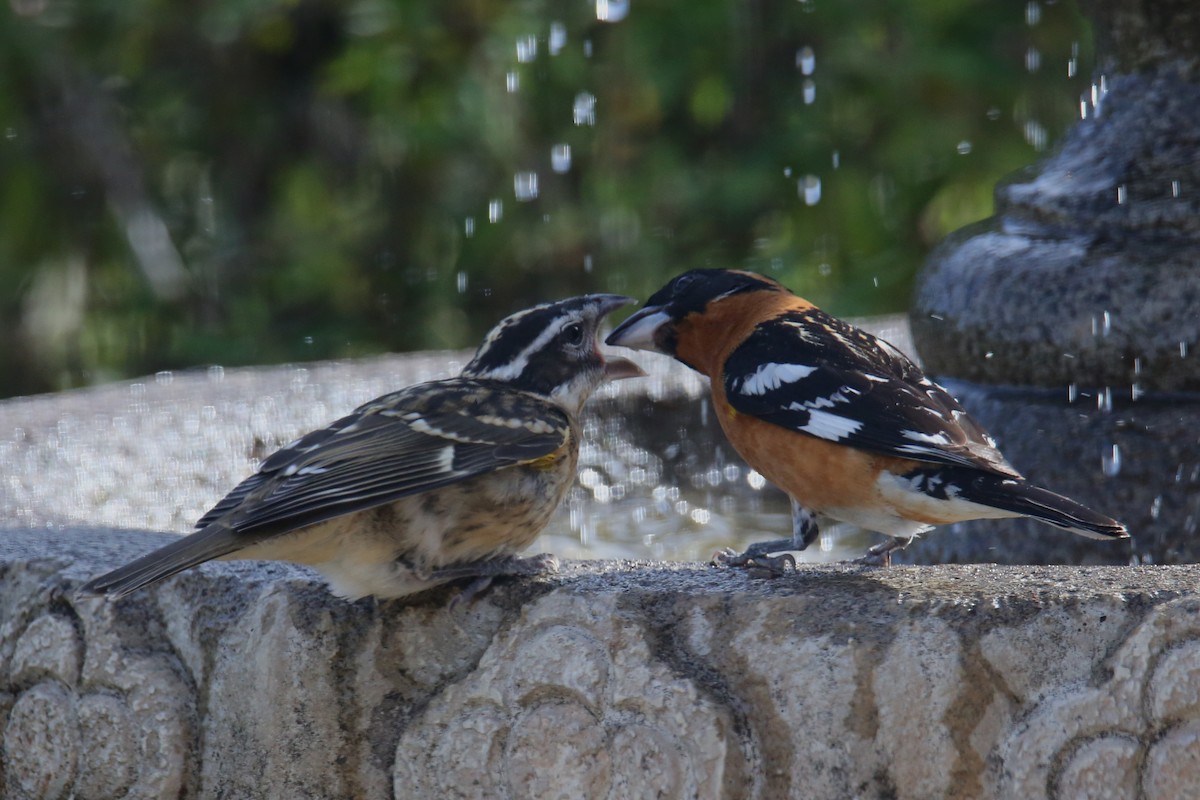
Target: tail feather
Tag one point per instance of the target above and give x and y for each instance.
(1028, 500)
(205, 545)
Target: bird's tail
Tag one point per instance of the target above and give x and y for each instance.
(1028, 500)
(212, 542)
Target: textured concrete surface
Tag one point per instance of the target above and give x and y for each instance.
(608, 680)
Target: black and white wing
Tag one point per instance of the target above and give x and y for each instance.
(414, 440)
(411, 441)
(811, 372)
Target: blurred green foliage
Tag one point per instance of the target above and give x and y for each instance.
(253, 181)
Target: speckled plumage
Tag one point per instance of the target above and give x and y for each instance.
(440, 480)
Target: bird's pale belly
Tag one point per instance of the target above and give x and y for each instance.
(390, 550)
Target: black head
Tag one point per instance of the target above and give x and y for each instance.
(653, 327)
(551, 350)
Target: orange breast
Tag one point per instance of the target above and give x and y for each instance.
(820, 474)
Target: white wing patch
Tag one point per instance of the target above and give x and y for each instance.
(927, 438)
(771, 376)
(826, 425)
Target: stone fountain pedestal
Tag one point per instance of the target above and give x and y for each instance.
(1084, 289)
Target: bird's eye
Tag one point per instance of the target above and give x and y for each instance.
(573, 334)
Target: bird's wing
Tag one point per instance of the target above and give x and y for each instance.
(810, 372)
(414, 440)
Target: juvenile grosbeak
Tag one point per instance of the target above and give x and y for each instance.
(441, 480)
(842, 421)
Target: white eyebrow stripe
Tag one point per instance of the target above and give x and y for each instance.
(516, 366)
(769, 377)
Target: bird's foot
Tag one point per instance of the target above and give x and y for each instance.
(484, 572)
(881, 554)
(757, 559)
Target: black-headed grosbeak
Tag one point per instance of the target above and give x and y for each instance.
(842, 421)
(442, 480)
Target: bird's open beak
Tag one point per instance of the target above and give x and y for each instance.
(640, 330)
(616, 368)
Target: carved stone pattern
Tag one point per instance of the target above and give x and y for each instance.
(111, 725)
(571, 703)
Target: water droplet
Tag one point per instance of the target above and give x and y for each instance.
(584, 111)
(612, 10)
(10, 133)
(1083, 107)
(469, 227)
(1035, 134)
(512, 81)
(1104, 400)
(1033, 14)
(1110, 461)
(1121, 195)
(308, 340)
(1072, 392)
(1033, 59)
(1156, 507)
(824, 269)
(806, 60)
(837, 159)
(1072, 67)
(787, 172)
(587, 263)
(1183, 349)
(993, 113)
(587, 48)
(560, 158)
(558, 38)
(1174, 188)
(755, 480)
(810, 91)
(525, 186)
(810, 189)
(701, 516)
(1106, 324)
(875, 280)
(495, 210)
(461, 283)
(527, 49)
(964, 147)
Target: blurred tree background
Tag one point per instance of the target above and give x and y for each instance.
(255, 181)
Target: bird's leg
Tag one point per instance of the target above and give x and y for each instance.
(881, 554)
(487, 570)
(757, 556)
(804, 526)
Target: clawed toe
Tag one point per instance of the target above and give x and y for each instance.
(759, 565)
(484, 572)
(728, 557)
(881, 554)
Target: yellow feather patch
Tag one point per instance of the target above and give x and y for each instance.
(545, 462)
